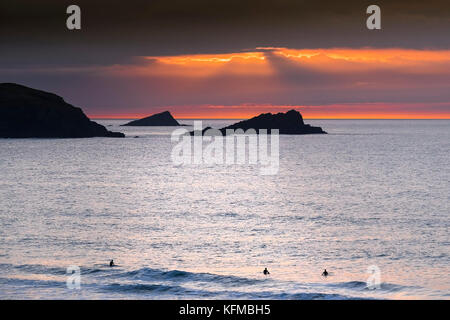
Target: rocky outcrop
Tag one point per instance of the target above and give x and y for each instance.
(31, 113)
(163, 119)
(290, 122)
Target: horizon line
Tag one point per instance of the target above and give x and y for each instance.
(314, 118)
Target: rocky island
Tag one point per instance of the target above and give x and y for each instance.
(290, 122)
(31, 113)
(163, 119)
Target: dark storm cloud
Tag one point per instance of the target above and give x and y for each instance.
(34, 32)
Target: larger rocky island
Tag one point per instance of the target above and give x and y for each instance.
(290, 122)
(31, 113)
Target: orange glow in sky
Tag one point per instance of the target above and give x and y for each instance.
(368, 111)
(389, 83)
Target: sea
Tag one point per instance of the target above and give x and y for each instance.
(368, 202)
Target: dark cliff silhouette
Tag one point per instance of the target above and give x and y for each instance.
(31, 113)
(290, 122)
(163, 119)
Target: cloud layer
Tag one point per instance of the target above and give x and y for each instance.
(232, 58)
(386, 81)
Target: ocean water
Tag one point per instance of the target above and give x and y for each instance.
(370, 193)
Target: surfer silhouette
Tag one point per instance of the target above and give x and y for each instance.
(111, 263)
(325, 273)
(266, 272)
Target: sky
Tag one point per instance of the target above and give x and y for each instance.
(233, 59)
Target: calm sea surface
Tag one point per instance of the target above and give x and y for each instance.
(370, 193)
